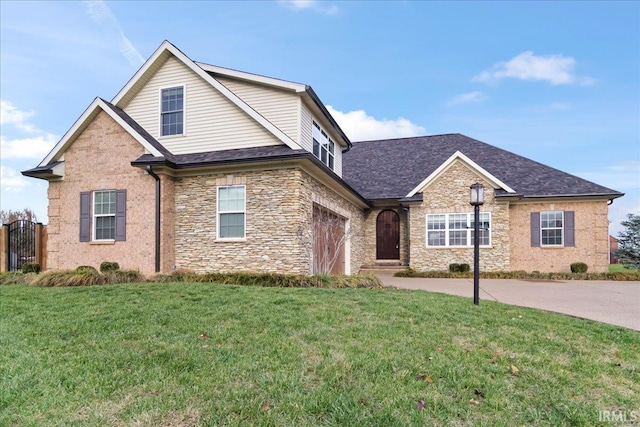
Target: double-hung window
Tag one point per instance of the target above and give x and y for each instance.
(323, 147)
(456, 230)
(104, 215)
(172, 111)
(551, 228)
(231, 212)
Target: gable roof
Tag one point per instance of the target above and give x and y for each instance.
(473, 165)
(160, 56)
(305, 91)
(393, 168)
(99, 104)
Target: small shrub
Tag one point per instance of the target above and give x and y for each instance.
(579, 267)
(31, 267)
(459, 268)
(14, 278)
(86, 269)
(106, 266)
(123, 276)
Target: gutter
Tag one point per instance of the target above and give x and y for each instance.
(157, 178)
(303, 155)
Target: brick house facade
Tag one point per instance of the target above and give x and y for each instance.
(200, 167)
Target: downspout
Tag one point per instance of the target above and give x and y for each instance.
(157, 178)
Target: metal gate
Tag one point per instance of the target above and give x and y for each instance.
(22, 244)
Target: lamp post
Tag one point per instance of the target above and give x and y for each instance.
(476, 199)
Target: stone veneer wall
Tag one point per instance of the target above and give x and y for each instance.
(449, 193)
(100, 159)
(316, 192)
(277, 202)
(591, 238)
(371, 219)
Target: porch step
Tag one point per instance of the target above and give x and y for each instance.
(386, 269)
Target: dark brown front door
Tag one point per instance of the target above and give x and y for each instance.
(388, 235)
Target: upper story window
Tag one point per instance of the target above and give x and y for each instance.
(457, 230)
(551, 228)
(323, 147)
(172, 111)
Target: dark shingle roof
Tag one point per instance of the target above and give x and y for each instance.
(275, 152)
(390, 169)
(139, 129)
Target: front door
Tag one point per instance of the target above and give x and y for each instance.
(388, 235)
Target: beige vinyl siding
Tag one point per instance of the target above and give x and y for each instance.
(278, 106)
(337, 166)
(211, 121)
(306, 138)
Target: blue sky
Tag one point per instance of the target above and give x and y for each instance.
(558, 82)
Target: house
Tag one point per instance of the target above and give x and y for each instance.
(206, 168)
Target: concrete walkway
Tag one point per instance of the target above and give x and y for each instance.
(616, 303)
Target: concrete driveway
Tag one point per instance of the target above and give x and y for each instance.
(616, 303)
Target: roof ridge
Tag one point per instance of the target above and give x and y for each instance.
(411, 137)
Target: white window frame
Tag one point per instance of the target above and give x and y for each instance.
(326, 145)
(184, 111)
(561, 244)
(468, 229)
(243, 211)
(94, 216)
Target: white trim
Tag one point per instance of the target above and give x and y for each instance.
(446, 230)
(542, 245)
(94, 215)
(243, 211)
(459, 156)
(168, 47)
(255, 78)
(81, 123)
(184, 111)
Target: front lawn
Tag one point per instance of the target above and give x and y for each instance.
(205, 354)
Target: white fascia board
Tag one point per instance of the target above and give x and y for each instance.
(72, 133)
(168, 47)
(255, 78)
(477, 168)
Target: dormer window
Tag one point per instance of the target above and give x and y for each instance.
(172, 111)
(323, 147)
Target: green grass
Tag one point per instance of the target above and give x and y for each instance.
(620, 268)
(204, 354)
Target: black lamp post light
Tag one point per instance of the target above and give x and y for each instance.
(476, 199)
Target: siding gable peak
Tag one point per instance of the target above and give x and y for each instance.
(160, 56)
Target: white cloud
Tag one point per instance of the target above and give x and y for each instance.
(314, 5)
(11, 181)
(10, 114)
(555, 69)
(101, 14)
(36, 147)
(467, 98)
(361, 127)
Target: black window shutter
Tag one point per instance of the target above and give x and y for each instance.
(85, 216)
(535, 229)
(569, 228)
(121, 215)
